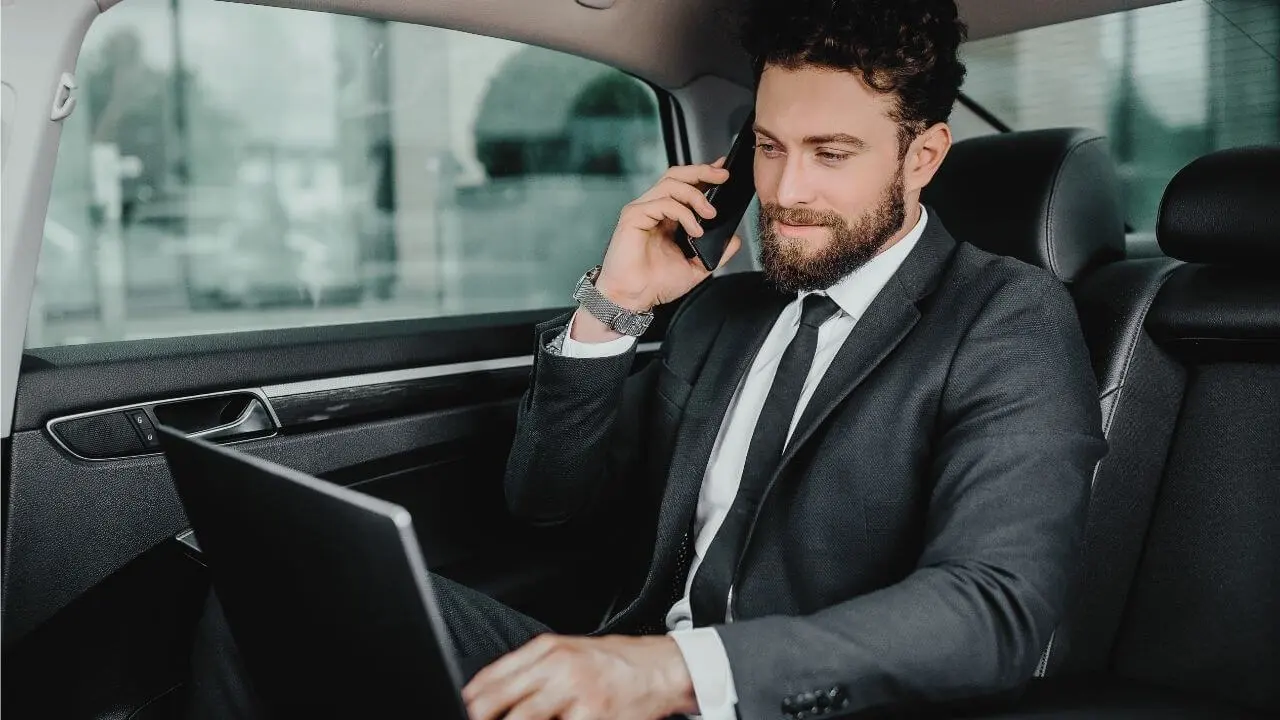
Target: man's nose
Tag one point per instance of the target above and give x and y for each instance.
(793, 186)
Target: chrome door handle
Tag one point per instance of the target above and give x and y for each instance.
(254, 419)
(220, 417)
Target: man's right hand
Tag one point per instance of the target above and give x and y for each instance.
(643, 267)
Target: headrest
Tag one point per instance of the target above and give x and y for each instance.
(1224, 209)
(1047, 197)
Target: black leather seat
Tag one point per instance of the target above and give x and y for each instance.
(1050, 198)
(1179, 613)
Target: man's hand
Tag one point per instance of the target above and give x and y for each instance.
(576, 678)
(643, 267)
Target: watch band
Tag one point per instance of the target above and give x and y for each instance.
(627, 322)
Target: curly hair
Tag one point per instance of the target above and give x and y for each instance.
(908, 48)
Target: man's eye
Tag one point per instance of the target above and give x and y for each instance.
(832, 157)
(769, 149)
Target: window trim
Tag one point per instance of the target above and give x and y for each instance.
(675, 133)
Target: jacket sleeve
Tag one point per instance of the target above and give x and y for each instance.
(1018, 437)
(575, 433)
(580, 433)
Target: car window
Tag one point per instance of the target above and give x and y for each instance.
(1166, 83)
(233, 167)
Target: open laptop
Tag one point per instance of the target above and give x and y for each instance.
(324, 588)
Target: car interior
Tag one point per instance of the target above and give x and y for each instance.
(1178, 608)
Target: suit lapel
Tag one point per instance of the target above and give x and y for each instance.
(735, 347)
(885, 323)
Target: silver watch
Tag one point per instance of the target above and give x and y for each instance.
(606, 311)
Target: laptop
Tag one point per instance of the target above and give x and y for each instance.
(324, 588)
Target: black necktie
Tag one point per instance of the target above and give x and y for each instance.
(710, 592)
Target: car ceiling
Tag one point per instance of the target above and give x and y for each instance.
(668, 42)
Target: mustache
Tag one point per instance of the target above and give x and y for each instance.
(772, 212)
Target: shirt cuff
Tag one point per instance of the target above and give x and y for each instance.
(574, 349)
(709, 669)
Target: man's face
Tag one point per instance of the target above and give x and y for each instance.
(828, 173)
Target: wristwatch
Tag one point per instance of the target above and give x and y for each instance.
(606, 311)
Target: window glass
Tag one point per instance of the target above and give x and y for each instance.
(1166, 83)
(966, 124)
(232, 167)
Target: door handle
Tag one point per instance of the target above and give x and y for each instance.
(238, 415)
(129, 431)
(254, 419)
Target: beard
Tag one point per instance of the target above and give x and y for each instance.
(850, 246)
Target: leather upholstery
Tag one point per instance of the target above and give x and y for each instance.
(1224, 208)
(1225, 312)
(1140, 393)
(1047, 197)
(1178, 593)
(1113, 304)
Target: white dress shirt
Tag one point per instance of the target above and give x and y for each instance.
(703, 652)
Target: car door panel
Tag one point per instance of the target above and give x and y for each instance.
(73, 522)
(72, 580)
(91, 545)
(120, 650)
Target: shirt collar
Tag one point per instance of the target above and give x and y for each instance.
(855, 292)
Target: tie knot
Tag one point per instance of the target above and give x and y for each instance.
(817, 310)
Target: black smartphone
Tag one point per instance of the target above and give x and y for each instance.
(730, 199)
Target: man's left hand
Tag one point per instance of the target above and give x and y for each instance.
(578, 678)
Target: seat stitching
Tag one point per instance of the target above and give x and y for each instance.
(154, 700)
(1151, 292)
(1053, 197)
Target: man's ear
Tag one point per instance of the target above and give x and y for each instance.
(925, 156)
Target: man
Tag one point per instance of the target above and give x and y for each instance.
(855, 480)
(915, 422)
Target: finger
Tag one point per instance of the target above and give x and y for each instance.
(655, 211)
(508, 665)
(685, 193)
(549, 702)
(577, 712)
(730, 249)
(495, 700)
(694, 174)
(720, 162)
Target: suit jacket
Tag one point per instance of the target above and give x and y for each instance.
(923, 532)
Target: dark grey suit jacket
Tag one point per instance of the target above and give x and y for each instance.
(922, 536)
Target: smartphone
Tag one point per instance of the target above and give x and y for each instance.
(730, 199)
